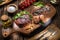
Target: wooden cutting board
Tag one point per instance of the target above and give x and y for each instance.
(5, 2)
(28, 29)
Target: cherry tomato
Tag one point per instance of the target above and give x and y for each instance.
(34, 0)
(31, 1)
(22, 7)
(28, 2)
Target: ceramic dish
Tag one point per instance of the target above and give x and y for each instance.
(12, 8)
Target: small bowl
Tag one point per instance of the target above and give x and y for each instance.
(6, 32)
(12, 8)
(4, 17)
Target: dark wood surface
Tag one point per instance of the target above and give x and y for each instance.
(55, 21)
(5, 2)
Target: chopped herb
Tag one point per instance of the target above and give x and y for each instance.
(20, 14)
(40, 4)
(36, 3)
(41, 22)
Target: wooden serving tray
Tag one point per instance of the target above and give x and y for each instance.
(31, 27)
(5, 2)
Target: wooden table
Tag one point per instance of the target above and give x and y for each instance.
(52, 27)
(23, 38)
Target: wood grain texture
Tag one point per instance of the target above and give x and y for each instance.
(5, 2)
(56, 22)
